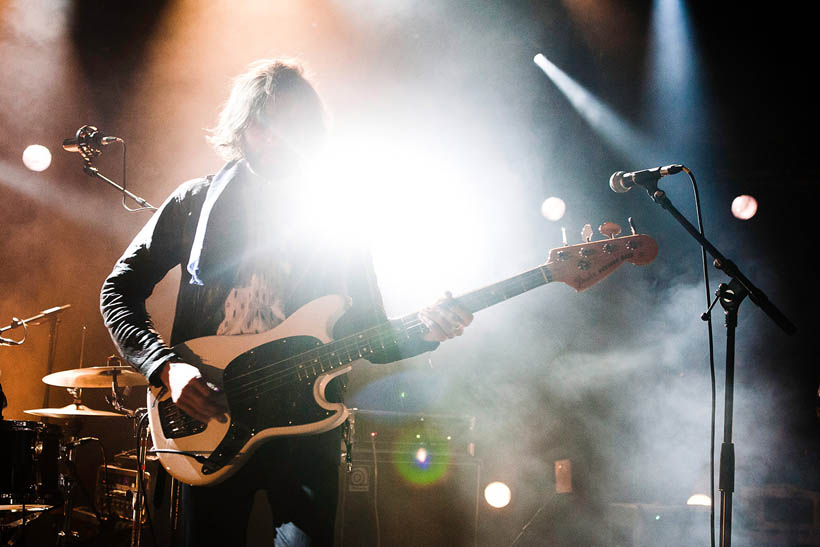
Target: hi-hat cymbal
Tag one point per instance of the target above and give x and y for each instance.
(74, 410)
(96, 377)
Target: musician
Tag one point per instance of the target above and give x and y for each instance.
(249, 258)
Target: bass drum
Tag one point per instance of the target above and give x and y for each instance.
(29, 462)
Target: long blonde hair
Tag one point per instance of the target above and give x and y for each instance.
(250, 95)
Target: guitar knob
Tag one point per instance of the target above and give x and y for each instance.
(609, 230)
(586, 233)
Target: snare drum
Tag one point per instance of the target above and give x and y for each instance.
(29, 460)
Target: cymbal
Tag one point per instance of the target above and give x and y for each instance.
(74, 410)
(96, 377)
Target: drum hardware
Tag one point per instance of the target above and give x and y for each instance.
(52, 314)
(97, 377)
(67, 481)
(141, 432)
(120, 379)
(74, 410)
(29, 483)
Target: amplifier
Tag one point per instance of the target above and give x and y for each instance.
(410, 480)
(401, 434)
(122, 491)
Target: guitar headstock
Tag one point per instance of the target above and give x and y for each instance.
(585, 264)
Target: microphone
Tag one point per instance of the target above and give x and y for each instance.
(87, 140)
(621, 181)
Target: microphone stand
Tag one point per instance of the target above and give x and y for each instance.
(730, 296)
(93, 172)
(87, 143)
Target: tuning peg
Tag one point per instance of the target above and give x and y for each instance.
(609, 230)
(632, 226)
(586, 233)
(564, 236)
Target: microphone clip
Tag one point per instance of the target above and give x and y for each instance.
(88, 142)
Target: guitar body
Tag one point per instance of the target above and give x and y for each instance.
(267, 395)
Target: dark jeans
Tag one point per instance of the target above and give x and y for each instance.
(300, 478)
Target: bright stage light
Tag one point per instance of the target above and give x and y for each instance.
(553, 208)
(600, 117)
(497, 494)
(699, 499)
(37, 157)
(744, 207)
(410, 201)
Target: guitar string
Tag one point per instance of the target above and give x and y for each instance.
(493, 298)
(543, 272)
(344, 346)
(317, 357)
(408, 322)
(269, 384)
(347, 347)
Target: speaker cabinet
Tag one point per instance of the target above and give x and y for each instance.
(410, 480)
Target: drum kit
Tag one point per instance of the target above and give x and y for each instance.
(38, 459)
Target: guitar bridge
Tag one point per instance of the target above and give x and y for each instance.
(175, 423)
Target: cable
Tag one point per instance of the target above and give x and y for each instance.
(141, 425)
(708, 319)
(376, 491)
(106, 489)
(124, 186)
(147, 508)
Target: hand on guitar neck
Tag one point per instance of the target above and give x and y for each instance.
(202, 400)
(445, 319)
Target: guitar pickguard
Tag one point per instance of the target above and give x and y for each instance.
(267, 387)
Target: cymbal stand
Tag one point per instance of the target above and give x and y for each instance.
(52, 351)
(141, 432)
(66, 535)
(140, 417)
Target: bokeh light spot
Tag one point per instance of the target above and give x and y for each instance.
(37, 157)
(553, 208)
(744, 207)
(497, 494)
(699, 499)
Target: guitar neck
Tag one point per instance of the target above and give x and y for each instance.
(490, 295)
(579, 266)
(496, 293)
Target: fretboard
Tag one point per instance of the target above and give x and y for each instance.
(390, 335)
(380, 338)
